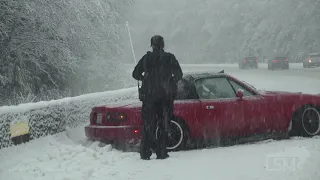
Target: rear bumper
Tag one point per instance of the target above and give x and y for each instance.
(312, 64)
(248, 65)
(279, 65)
(114, 133)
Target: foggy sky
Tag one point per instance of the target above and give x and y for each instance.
(220, 31)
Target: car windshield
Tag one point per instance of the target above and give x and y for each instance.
(249, 84)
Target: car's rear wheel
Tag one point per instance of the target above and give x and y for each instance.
(178, 135)
(306, 122)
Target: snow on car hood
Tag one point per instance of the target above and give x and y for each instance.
(278, 92)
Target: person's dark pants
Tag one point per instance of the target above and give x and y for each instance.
(155, 113)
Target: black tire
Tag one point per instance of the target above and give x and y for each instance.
(306, 122)
(306, 66)
(270, 67)
(179, 141)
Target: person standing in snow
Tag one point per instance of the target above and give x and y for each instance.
(159, 72)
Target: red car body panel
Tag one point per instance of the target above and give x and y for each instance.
(269, 111)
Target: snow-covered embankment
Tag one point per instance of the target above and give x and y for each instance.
(50, 117)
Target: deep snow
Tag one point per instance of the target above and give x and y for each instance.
(69, 156)
(60, 157)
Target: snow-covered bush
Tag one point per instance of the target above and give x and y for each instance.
(50, 117)
(53, 49)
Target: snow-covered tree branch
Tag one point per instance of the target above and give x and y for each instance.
(49, 46)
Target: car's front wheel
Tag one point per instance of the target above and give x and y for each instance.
(178, 135)
(306, 122)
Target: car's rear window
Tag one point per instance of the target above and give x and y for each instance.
(185, 90)
(314, 55)
(251, 58)
(182, 92)
(280, 58)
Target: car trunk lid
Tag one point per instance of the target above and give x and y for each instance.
(110, 114)
(281, 59)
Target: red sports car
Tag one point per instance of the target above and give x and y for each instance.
(214, 108)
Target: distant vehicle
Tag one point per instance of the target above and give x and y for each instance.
(279, 62)
(251, 62)
(213, 108)
(313, 60)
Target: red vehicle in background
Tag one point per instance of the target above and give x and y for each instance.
(214, 108)
(279, 62)
(249, 62)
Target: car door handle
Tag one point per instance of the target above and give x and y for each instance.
(209, 107)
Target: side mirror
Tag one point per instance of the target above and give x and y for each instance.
(240, 93)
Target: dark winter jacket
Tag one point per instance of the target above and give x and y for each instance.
(161, 74)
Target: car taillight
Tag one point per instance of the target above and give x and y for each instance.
(116, 116)
(244, 61)
(310, 60)
(275, 61)
(286, 60)
(93, 117)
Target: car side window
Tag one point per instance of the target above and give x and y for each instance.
(236, 86)
(214, 88)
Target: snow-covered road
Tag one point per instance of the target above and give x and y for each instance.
(68, 156)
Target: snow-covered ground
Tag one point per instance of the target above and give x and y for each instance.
(61, 158)
(68, 156)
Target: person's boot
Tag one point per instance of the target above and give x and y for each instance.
(146, 154)
(163, 154)
(145, 151)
